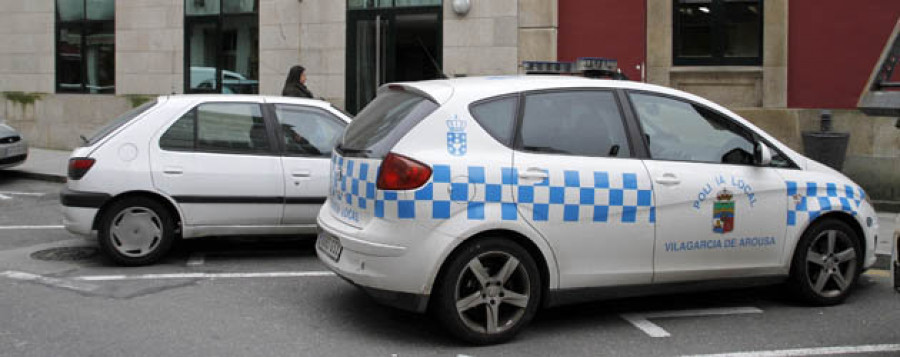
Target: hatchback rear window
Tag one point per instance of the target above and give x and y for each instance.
(383, 122)
(117, 123)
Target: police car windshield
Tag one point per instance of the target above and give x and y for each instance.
(383, 122)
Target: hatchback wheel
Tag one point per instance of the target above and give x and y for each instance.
(136, 231)
(826, 263)
(489, 291)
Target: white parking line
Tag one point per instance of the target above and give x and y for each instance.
(282, 274)
(196, 260)
(642, 320)
(821, 351)
(55, 282)
(9, 228)
(13, 193)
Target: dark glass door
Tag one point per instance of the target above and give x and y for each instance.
(390, 45)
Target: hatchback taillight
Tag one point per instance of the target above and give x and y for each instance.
(78, 166)
(399, 172)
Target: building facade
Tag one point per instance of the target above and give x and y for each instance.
(69, 66)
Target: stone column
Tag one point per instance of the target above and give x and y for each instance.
(149, 47)
(538, 30)
(775, 53)
(279, 43)
(323, 41)
(482, 42)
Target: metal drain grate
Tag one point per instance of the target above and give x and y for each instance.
(65, 254)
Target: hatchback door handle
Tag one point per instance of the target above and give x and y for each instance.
(301, 173)
(534, 174)
(668, 179)
(171, 170)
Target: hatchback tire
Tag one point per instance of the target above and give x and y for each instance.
(136, 231)
(826, 264)
(489, 290)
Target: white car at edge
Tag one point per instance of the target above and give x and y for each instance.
(201, 165)
(484, 199)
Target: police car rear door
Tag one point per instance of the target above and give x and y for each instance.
(718, 215)
(578, 184)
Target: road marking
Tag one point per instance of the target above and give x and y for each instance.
(30, 227)
(55, 282)
(4, 197)
(821, 351)
(196, 260)
(641, 320)
(877, 272)
(284, 274)
(12, 193)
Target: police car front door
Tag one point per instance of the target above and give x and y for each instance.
(718, 215)
(579, 187)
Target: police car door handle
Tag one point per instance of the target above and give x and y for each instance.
(668, 179)
(534, 174)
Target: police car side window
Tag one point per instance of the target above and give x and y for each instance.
(497, 117)
(587, 123)
(682, 131)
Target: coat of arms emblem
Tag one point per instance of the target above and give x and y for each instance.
(456, 137)
(723, 212)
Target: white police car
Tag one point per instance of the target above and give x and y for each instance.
(483, 199)
(201, 165)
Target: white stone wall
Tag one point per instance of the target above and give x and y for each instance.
(279, 42)
(323, 41)
(149, 46)
(27, 46)
(484, 41)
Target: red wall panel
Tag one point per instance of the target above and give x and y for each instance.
(833, 46)
(604, 28)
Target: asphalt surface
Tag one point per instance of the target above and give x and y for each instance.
(268, 307)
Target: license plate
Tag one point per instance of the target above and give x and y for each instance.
(330, 245)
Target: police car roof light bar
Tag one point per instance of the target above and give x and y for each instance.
(590, 67)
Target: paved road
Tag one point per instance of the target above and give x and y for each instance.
(269, 297)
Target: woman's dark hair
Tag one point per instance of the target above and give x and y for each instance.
(294, 75)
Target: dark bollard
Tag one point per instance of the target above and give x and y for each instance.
(826, 146)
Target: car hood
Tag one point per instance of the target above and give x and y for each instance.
(6, 130)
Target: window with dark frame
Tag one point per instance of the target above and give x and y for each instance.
(85, 46)
(221, 42)
(717, 32)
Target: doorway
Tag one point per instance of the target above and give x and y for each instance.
(390, 45)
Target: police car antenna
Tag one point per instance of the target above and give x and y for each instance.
(431, 58)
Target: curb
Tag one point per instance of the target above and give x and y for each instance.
(36, 176)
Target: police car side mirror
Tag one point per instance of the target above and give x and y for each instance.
(761, 154)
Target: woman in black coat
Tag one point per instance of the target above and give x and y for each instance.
(295, 85)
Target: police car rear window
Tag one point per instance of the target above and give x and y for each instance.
(383, 122)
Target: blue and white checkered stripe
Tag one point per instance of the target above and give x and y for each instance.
(811, 199)
(357, 185)
(488, 193)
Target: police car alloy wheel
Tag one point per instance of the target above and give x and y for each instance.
(136, 231)
(489, 290)
(826, 263)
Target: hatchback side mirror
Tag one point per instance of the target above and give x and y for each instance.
(761, 154)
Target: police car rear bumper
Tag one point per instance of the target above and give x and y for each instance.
(386, 272)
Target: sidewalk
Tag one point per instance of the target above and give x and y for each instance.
(43, 164)
(51, 165)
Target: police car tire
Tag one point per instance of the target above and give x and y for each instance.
(799, 283)
(444, 306)
(163, 219)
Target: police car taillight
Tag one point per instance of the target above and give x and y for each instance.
(399, 172)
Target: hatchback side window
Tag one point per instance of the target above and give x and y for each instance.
(180, 136)
(682, 131)
(231, 127)
(585, 123)
(497, 117)
(308, 131)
